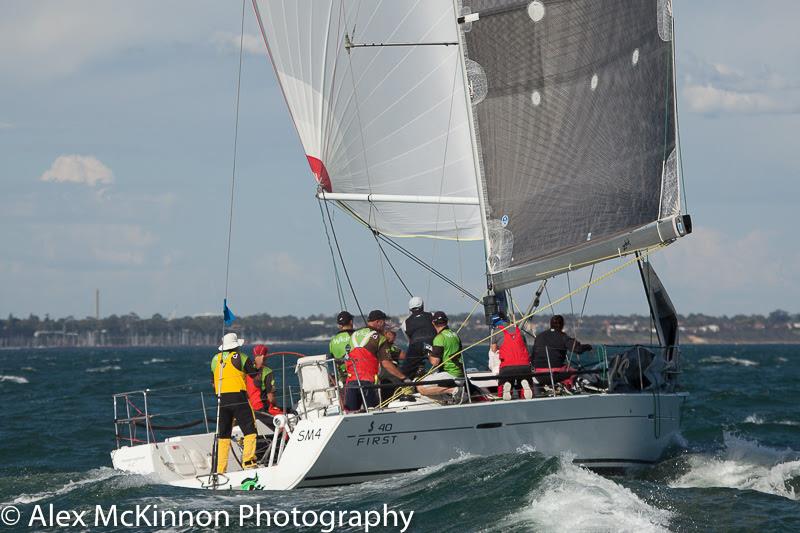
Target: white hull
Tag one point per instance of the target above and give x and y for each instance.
(601, 430)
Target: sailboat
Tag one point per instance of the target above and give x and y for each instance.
(545, 129)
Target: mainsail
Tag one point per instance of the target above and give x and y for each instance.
(577, 131)
(385, 128)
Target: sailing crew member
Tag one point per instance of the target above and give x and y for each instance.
(261, 388)
(368, 353)
(229, 368)
(396, 355)
(340, 343)
(550, 353)
(444, 353)
(515, 361)
(420, 332)
(395, 352)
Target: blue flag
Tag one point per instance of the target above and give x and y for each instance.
(227, 314)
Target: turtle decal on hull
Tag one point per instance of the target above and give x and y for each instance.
(251, 483)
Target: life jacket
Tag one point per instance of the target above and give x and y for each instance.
(419, 328)
(513, 351)
(259, 386)
(230, 367)
(338, 348)
(362, 362)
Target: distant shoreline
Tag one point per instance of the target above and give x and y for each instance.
(778, 327)
(324, 343)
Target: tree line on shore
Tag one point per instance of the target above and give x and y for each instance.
(157, 330)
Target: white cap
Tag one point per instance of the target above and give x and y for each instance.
(415, 302)
(230, 341)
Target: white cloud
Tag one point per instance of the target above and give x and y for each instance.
(251, 43)
(717, 88)
(711, 100)
(754, 271)
(50, 38)
(78, 169)
(6, 125)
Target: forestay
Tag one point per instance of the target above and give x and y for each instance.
(384, 120)
(576, 131)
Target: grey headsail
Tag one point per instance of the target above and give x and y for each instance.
(661, 309)
(576, 131)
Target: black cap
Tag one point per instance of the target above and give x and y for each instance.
(376, 314)
(344, 318)
(439, 317)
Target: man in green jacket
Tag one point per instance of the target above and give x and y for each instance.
(445, 357)
(340, 343)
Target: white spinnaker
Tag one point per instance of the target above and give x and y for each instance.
(379, 120)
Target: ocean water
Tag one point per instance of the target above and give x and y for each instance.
(738, 469)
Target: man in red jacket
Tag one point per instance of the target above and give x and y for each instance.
(261, 387)
(515, 361)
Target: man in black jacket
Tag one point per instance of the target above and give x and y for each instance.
(550, 353)
(419, 329)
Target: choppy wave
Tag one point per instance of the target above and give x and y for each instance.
(719, 360)
(576, 499)
(14, 379)
(745, 464)
(103, 369)
(759, 421)
(155, 360)
(93, 476)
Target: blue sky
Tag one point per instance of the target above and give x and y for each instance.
(116, 148)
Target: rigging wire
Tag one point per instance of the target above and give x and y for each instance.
(233, 172)
(431, 269)
(344, 266)
(571, 306)
(339, 289)
(580, 318)
(396, 273)
(383, 276)
(549, 301)
(408, 253)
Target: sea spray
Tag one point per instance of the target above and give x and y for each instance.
(744, 464)
(576, 499)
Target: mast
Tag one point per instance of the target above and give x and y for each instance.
(473, 131)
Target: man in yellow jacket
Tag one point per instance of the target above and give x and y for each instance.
(230, 368)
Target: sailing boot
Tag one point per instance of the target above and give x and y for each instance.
(249, 451)
(507, 390)
(527, 393)
(223, 448)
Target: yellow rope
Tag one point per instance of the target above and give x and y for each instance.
(464, 323)
(643, 253)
